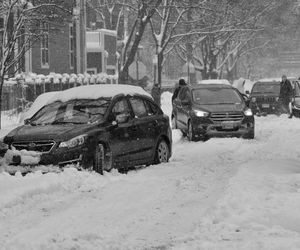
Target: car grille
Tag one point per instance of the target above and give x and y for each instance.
(226, 116)
(265, 99)
(39, 146)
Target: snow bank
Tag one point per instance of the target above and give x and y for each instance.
(166, 103)
(259, 210)
(27, 157)
(243, 85)
(17, 189)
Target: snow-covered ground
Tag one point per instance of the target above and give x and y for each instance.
(221, 194)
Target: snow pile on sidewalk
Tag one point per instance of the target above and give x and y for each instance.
(166, 103)
(19, 189)
(260, 210)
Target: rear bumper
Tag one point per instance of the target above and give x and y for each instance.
(269, 108)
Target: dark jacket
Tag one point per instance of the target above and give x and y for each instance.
(176, 91)
(286, 90)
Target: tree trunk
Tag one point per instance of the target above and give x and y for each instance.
(156, 92)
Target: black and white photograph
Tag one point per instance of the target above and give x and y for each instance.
(149, 124)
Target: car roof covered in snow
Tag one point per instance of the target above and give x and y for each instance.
(274, 80)
(98, 91)
(215, 81)
(211, 86)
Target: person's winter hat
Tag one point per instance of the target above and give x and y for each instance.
(182, 82)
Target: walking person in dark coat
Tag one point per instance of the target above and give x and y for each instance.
(285, 95)
(182, 83)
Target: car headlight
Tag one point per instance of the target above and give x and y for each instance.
(74, 142)
(248, 112)
(253, 99)
(201, 113)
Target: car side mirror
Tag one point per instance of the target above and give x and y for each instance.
(27, 121)
(122, 118)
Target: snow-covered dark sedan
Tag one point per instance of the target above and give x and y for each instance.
(97, 126)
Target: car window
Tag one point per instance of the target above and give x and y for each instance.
(121, 107)
(216, 96)
(74, 111)
(139, 107)
(153, 109)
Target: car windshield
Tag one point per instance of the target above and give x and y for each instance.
(75, 111)
(216, 96)
(271, 88)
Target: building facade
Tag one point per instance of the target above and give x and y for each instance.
(73, 48)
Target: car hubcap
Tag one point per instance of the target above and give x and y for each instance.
(163, 152)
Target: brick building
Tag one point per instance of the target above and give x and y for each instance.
(74, 48)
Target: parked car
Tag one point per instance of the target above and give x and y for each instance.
(295, 104)
(99, 127)
(264, 96)
(212, 110)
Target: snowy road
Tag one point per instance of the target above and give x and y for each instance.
(221, 194)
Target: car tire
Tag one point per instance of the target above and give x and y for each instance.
(174, 122)
(190, 133)
(162, 152)
(100, 163)
(250, 135)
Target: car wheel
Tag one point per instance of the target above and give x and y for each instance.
(191, 134)
(174, 122)
(249, 135)
(101, 162)
(162, 152)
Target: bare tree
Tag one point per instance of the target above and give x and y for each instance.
(135, 16)
(220, 37)
(23, 24)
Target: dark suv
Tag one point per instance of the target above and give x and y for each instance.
(212, 110)
(102, 127)
(264, 97)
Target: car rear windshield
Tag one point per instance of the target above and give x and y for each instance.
(267, 88)
(75, 111)
(216, 96)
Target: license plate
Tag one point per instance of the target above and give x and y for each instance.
(266, 105)
(228, 125)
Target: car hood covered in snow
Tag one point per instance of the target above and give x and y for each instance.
(48, 132)
(238, 107)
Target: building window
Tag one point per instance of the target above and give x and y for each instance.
(72, 46)
(45, 46)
